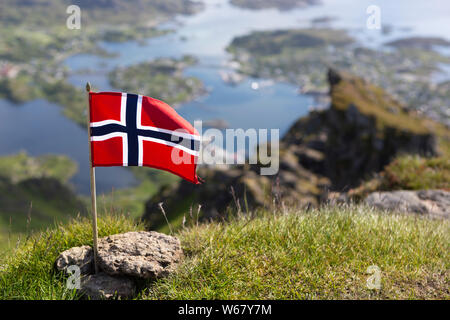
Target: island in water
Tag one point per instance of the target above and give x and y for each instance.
(302, 56)
(279, 4)
(161, 78)
(35, 42)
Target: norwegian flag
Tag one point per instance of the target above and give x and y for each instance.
(134, 130)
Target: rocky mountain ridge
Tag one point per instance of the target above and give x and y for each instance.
(329, 150)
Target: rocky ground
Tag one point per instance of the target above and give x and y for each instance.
(433, 203)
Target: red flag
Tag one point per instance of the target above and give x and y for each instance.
(134, 130)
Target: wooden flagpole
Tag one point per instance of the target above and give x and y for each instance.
(93, 191)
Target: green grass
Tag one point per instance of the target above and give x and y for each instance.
(28, 271)
(321, 254)
(316, 254)
(408, 172)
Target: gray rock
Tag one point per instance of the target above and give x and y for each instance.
(81, 256)
(434, 203)
(147, 255)
(102, 286)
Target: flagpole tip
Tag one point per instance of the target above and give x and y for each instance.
(88, 87)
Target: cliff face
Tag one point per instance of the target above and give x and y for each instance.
(361, 132)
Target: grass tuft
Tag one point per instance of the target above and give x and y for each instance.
(317, 254)
(408, 172)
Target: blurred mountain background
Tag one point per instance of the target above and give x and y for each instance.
(359, 110)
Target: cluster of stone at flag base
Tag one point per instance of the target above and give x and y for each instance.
(123, 261)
